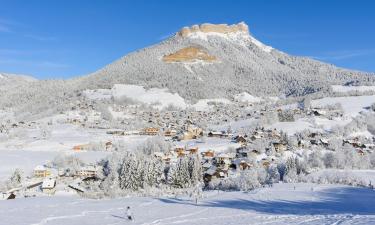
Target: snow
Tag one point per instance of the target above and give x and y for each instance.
(239, 37)
(98, 94)
(235, 126)
(216, 144)
(293, 127)
(340, 88)
(246, 97)
(203, 104)
(281, 204)
(261, 45)
(352, 105)
(160, 98)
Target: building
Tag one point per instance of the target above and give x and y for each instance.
(151, 131)
(83, 147)
(49, 186)
(41, 171)
(88, 171)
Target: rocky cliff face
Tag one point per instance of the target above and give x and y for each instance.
(214, 28)
(189, 54)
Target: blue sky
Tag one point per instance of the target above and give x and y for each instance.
(66, 38)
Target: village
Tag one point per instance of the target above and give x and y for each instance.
(241, 150)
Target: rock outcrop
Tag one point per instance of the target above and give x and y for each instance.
(189, 54)
(214, 28)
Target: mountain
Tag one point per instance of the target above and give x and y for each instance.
(211, 61)
(198, 62)
(12, 80)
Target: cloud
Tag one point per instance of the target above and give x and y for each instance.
(344, 54)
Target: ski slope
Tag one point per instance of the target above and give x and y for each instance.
(280, 204)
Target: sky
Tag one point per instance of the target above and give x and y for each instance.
(53, 39)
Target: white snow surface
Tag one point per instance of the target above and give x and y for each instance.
(161, 98)
(352, 105)
(340, 88)
(246, 97)
(280, 204)
(242, 38)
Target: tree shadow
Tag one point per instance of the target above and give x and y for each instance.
(120, 217)
(343, 200)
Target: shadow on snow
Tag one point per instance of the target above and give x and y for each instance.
(345, 200)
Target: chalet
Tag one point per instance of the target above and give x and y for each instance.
(244, 165)
(116, 132)
(108, 146)
(170, 133)
(49, 186)
(208, 154)
(318, 112)
(82, 147)
(241, 140)
(151, 131)
(224, 158)
(180, 151)
(324, 142)
(279, 146)
(360, 152)
(266, 163)
(192, 132)
(193, 150)
(88, 171)
(41, 171)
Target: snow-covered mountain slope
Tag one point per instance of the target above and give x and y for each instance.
(216, 61)
(200, 62)
(12, 80)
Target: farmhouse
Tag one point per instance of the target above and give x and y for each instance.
(151, 131)
(88, 171)
(41, 171)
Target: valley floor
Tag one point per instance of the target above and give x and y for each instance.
(280, 204)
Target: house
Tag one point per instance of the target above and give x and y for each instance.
(279, 146)
(8, 196)
(324, 142)
(108, 146)
(318, 112)
(241, 140)
(265, 163)
(192, 132)
(41, 171)
(116, 132)
(208, 154)
(214, 134)
(360, 152)
(48, 186)
(151, 131)
(244, 165)
(83, 147)
(88, 171)
(193, 150)
(224, 158)
(170, 133)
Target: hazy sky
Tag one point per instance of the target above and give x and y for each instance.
(65, 38)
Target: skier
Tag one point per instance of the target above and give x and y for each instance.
(129, 214)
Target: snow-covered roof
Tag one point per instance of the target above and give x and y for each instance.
(40, 167)
(49, 183)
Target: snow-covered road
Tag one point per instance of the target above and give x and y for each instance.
(281, 204)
